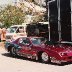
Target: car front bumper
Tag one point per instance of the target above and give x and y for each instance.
(62, 60)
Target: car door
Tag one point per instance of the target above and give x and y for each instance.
(25, 45)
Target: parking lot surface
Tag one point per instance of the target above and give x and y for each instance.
(19, 64)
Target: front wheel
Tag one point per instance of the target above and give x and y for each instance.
(45, 58)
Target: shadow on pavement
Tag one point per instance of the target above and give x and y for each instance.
(27, 59)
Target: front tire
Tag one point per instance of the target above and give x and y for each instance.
(45, 58)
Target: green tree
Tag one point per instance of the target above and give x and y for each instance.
(11, 15)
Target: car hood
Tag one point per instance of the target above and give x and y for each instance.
(60, 49)
(10, 34)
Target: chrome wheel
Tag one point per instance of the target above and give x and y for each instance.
(45, 58)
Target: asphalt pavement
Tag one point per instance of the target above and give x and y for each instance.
(20, 64)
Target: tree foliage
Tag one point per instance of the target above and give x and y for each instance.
(11, 15)
(38, 18)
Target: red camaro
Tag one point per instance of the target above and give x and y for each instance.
(40, 49)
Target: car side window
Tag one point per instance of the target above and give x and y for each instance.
(24, 41)
(20, 29)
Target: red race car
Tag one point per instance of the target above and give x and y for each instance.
(39, 48)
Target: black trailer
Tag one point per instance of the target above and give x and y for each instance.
(60, 19)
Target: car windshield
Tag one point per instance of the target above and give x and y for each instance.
(12, 29)
(37, 41)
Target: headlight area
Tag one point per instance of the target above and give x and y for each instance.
(62, 54)
(63, 57)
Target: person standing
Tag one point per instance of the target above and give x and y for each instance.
(0, 34)
(3, 34)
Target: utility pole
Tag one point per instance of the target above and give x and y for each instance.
(59, 23)
(71, 18)
(48, 21)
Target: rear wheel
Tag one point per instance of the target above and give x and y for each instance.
(45, 58)
(13, 51)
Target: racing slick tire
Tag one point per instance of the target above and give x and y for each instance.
(13, 51)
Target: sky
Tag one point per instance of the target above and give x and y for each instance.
(5, 1)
